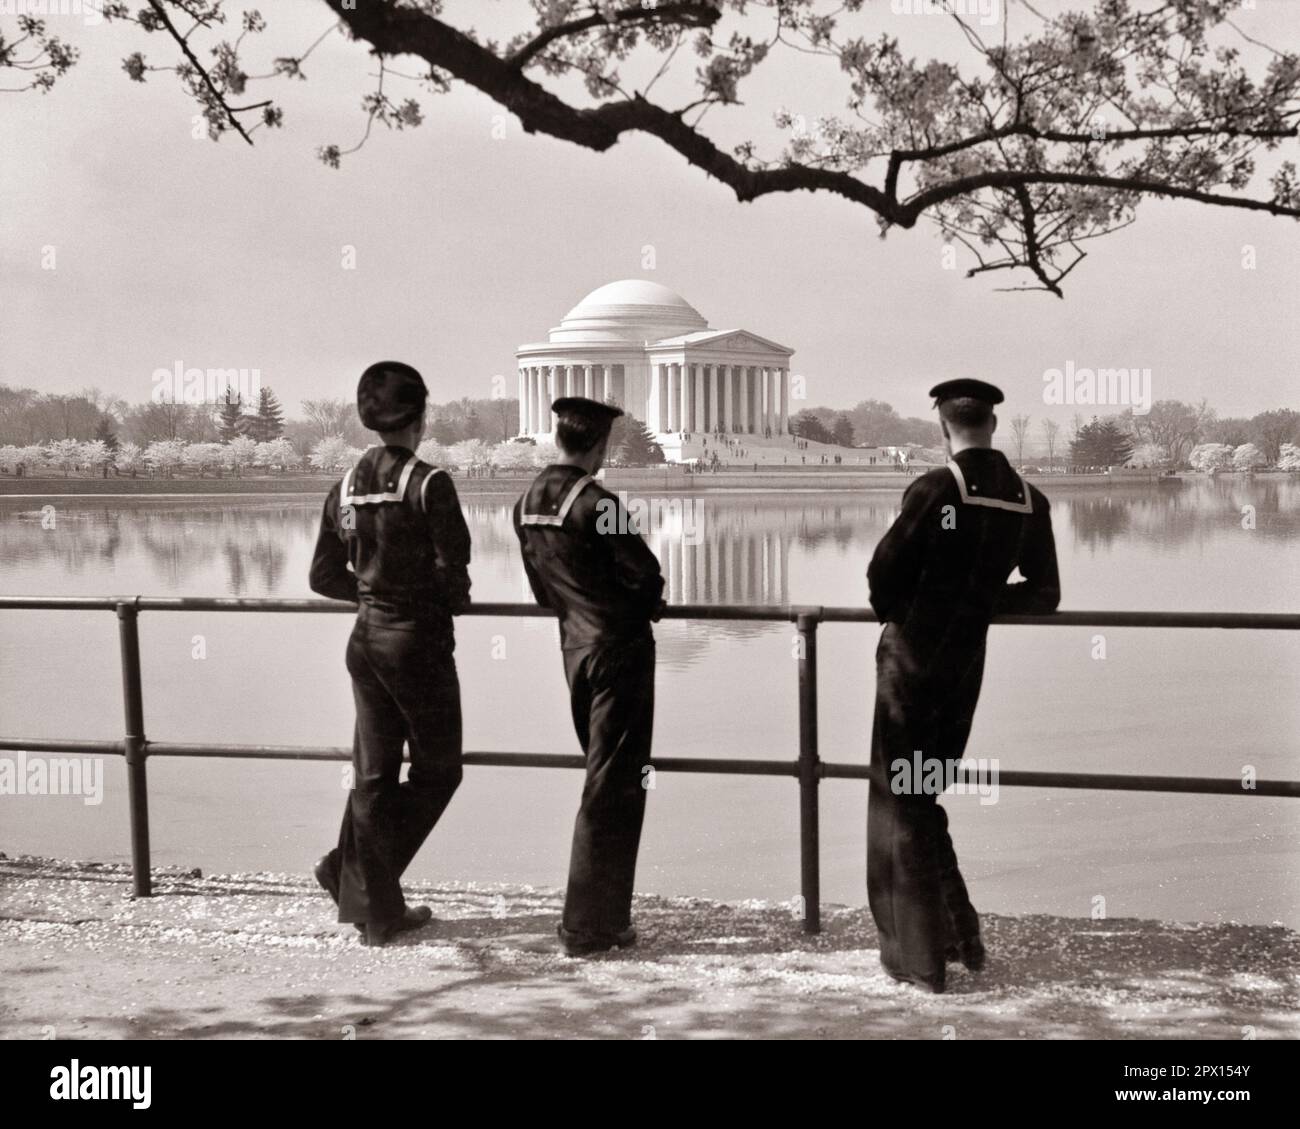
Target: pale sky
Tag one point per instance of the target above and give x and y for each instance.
(173, 249)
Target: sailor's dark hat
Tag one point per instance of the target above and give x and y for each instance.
(592, 410)
(390, 396)
(966, 389)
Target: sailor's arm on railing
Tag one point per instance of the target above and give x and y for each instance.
(896, 562)
(1040, 591)
(636, 568)
(535, 583)
(329, 574)
(451, 541)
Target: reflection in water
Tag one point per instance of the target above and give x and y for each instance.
(175, 543)
(1182, 511)
(721, 548)
(714, 548)
(727, 556)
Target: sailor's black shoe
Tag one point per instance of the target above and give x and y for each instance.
(327, 874)
(934, 987)
(969, 952)
(379, 933)
(583, 944)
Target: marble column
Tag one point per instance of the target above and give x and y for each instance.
(746, 403)
(549, 396)
(657, 387)
(697, 415)
(728, 409)
(684, 397)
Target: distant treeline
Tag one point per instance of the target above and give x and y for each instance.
(870, 423)
(30, 418)
(1173, 435)
(1165, 436)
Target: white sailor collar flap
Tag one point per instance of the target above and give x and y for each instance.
(1024, 503)
(561, 511)
(395, 487)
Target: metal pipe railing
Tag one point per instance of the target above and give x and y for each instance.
(808, 768)
(771, 613)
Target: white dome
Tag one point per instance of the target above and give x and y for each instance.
(629, 310)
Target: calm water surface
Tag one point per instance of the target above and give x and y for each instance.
(1196, 702)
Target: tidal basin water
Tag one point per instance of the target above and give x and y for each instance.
(1191, 702)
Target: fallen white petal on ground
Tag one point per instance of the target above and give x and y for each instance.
(261, 955)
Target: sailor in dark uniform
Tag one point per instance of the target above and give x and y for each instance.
(393, 540)
(937, 577)
(585, 558)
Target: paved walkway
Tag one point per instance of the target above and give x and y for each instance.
(258, 955)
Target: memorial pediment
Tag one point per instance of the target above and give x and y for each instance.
(734, 341)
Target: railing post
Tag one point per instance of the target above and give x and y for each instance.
(136, 750)
(809, 772)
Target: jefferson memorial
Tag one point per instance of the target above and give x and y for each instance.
(641, 346)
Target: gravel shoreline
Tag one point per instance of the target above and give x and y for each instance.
(259, 955)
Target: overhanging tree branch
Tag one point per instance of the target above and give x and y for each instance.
(693, 14)
(183, 41)
(1018, 158)
(1008, 178)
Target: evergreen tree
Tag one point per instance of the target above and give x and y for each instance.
(1101, 443)
(445, 433)
(473, 426)
(268, 424)
(807, 425)
(842, 430)
(231, 422)
(631, 443)
(105, 434)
